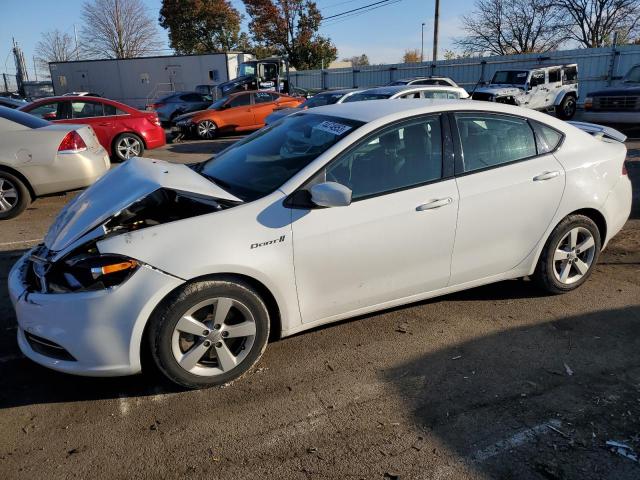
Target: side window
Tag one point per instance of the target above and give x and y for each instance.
(547, 138)
(490, 140)
(401, 156)
(410, 95)
(240, 100)
(262, 97)
(434, 94)
(453, 95)
(86, 109)
(191, 97)
(48, 111)
(570, 75)
(554, 76)
(537, 78)
(111, 110)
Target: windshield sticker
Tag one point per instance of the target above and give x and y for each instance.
(335, 128)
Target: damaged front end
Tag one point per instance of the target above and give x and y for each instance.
(138, 195)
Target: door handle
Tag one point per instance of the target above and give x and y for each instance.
(430, 205)
(546, 176)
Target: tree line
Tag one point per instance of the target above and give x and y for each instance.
(125, 29)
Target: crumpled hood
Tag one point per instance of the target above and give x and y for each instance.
(119, 188)
(497, 90)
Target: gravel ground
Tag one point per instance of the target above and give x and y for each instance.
(495, 382)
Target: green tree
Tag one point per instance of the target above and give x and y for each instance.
(200, 26)
(290, 27)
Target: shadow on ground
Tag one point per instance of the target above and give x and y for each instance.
(584, 382)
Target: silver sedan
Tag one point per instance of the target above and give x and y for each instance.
(38, 158)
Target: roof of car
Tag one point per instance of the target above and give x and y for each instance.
(78, 98)
(339, 91)
(428, 77)
(369, 111)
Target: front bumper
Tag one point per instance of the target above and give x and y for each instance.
(102, 330)
(610, 117)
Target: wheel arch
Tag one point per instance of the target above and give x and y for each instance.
(267, 296)
(561, 95)
(22, 178)
(597, 217)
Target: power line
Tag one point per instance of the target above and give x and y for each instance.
(348, 16)
(356, 9)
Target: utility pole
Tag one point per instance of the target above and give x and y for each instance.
(422, 44)
(436, 20)
(75, 34)
(35, 70)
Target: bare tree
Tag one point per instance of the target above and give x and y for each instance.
(504, 27)
(54, 46)
(592, 23)
(118, 29)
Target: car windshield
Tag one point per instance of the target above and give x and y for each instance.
(217, 105)
(322, 99)
(262, 162)
(398, 82)
(359, 97)
(510, 77)
(247, 69)
(633, 76)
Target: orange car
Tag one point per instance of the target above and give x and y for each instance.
(236, 113)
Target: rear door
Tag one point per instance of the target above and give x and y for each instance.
(263, 105)
(91, 112)
(509, 193)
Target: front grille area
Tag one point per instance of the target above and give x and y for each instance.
(616, 104)
(482, 96)
(48, 348)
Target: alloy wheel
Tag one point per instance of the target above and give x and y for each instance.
(206, 129)
(128, 147)
(573, 256)
(213, 337)
(8, 195)
(569, 107)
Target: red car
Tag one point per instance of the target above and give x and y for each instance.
(123, 131)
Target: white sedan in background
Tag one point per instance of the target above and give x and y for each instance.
(39, 158)
(327, 214)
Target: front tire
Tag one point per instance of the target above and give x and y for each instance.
(567, 108)
(127, 145)
(14, 196)
(206, 129)
(209, 333)
(569, 256)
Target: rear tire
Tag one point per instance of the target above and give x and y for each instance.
(209, 333)
(569, 256)
(567, 108)
(14, 196)
(127, 145)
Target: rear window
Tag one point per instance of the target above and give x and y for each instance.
(359, 97)
(22, 118)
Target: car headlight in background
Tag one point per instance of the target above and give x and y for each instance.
(588, 102)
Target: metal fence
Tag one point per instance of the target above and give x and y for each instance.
(597, 68)
(8, 83)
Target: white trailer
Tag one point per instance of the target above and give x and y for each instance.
(138, 81)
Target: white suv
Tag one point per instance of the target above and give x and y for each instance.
(546, 88)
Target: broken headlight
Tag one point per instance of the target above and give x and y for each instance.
(89, 271)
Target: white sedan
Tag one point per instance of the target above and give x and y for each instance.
(40, 158)
(329, 213)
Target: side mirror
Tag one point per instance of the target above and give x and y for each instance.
(330, 194)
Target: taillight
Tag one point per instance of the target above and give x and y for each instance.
(154, 119)
(624, 169)
(155, 106)
(72, 143)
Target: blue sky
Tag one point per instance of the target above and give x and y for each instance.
(383, 34)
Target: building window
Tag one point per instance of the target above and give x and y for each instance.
(62, 80)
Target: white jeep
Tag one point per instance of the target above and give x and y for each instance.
(545, 88)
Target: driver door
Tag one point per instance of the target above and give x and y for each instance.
(395, 239)
(537, 94)
(239, 113)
